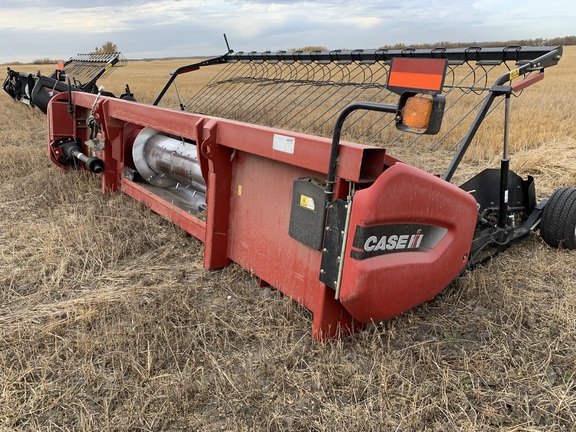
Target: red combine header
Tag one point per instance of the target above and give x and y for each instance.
(254, 166)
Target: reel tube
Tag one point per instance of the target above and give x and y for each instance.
(167, 162)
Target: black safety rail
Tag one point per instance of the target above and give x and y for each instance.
(486, 55)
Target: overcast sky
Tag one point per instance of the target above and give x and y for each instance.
(58, 29)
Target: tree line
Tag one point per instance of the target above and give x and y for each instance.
(566, 40)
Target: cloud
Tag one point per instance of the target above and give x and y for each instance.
(159, 28)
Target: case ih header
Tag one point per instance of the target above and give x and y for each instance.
(348, 230)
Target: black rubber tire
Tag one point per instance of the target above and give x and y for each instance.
(558, 224)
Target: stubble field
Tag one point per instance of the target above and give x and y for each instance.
(109, 322)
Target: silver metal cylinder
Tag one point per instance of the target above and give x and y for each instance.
(167, 162)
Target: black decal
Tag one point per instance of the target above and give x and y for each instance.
(393, 238)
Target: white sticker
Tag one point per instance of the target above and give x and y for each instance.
(506, 196)
(284, 144)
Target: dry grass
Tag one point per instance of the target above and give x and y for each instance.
(108, 321)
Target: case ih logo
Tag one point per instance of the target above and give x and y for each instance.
(386, 239)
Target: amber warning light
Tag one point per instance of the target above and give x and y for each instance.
(420, 113)
(417, 112)
(419, 82)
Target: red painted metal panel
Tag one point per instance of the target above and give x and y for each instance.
(259, 220)
(60, 125)
(173, 122)
(310, 152)
(528, 81)
(259, 240)
(383, 286)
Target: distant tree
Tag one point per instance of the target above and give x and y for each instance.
(309, 48)
(108, 47)
(44, 61)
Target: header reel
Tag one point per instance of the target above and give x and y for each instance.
(79, 73)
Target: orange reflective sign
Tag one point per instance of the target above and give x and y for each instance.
(418, 75)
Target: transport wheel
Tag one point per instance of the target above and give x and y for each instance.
(558, 224)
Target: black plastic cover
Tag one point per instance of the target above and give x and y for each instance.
(45, 89)
(308, 212)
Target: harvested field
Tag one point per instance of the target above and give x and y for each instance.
(109, 322)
